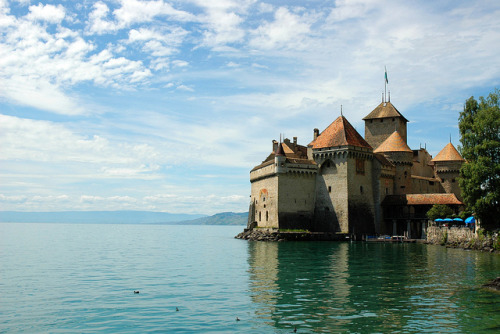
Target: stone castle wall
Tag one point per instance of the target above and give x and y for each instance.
(462, 237)
(264, 194)
(360, 195)
(296, 200)
(331, 213)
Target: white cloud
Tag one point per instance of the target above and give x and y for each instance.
(131, 12)
(287, 30)
(48, 13)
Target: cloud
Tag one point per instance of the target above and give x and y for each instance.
(131, 12)
(288, 30)
(48, 13)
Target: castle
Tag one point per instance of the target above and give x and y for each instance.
(344, 183)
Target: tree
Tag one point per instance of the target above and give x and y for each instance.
(479, 126)
(439, 211)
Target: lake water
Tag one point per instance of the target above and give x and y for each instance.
(69, 278)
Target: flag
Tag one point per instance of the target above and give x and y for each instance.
(386, 80)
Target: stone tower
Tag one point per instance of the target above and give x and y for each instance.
(395, 149)
(447, 164)
(344, 194)
(382, 122)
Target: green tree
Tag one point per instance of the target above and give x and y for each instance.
(479, 126)
(439, 211)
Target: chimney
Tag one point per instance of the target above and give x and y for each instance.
(275, 145)
(295, 141)
(316, 133)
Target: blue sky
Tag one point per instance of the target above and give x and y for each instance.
(167, 105)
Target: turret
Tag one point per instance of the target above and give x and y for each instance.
(382, 122)
(400, 155)
(280, 159)
(447, 164)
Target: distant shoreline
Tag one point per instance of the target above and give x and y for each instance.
(123, 217)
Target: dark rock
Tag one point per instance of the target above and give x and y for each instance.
(494, 284)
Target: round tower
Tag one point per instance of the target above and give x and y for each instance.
(447, 164)
(400, 155)
(280, 159)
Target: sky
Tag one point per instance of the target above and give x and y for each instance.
(167, 105)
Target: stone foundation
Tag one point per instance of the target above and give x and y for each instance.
(462, 237)
(277, 235)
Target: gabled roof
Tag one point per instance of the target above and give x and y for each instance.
(448, 153)
(395, 143)
(339, 133)
(384, 110)
(293, 154)
(421, 199)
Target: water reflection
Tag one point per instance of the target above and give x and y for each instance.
(364, 287)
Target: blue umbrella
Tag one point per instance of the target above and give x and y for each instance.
(448, 220)
(458, 220)
(470, 220)
(438, 220)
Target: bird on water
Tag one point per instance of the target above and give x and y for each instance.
(136, 291)
(237, 319)
(176, 309)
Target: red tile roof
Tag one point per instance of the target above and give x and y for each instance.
(448, 153)
(339, 133)
(395, 143)
(384, 110)
(421, 199)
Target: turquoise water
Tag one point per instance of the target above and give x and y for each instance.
(69, 278)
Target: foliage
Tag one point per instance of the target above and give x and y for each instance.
(439, 211)
(479, 126)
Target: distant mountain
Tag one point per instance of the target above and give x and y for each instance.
(224, 218)
(96, 217)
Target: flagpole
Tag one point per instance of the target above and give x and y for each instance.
(385, 85)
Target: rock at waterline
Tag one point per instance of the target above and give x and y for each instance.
(494, 284)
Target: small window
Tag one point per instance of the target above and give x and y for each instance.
(393, 119)
(361, 189)
(386, 191)
(381, 120)
(267, 216)
(371, 121)
(360, 166)
(260, 218)
(264, 206)
(329, 189)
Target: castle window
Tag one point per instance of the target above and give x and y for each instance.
(329, 189)
(381, 120)
(360, 166)
(393, 119)
(267, 216)
(386, 191)
(260, 218)
(264, 206)
(361, 189)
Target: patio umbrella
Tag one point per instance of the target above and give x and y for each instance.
(470, 220)
(458, 220)
(448, 220)
(439, 220)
